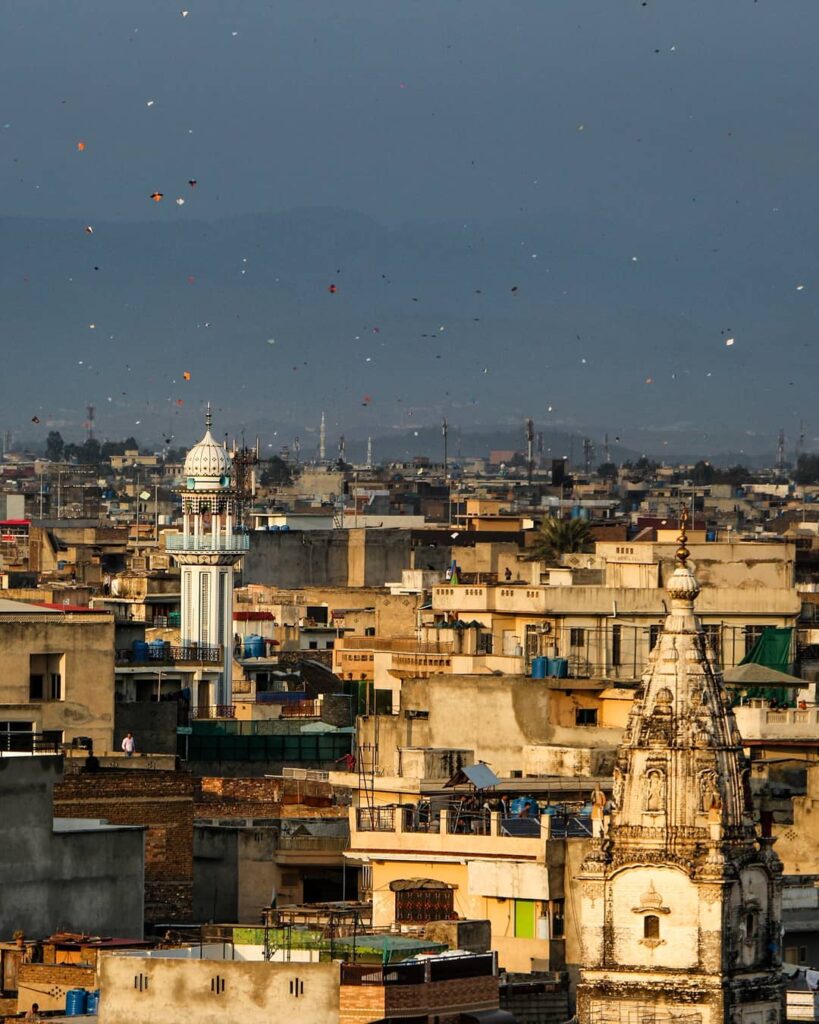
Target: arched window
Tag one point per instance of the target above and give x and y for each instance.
(750, 926)
(651, 926)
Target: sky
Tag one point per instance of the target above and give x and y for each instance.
(600, 214)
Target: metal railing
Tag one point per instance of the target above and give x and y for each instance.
(207, 542)
(214, 711)
(167, 654)
(481, 965)
(375, 819)
(301, 709)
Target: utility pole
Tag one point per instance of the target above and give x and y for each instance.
(530, 451)
(369, 453)
(322, 439)
(445, 432)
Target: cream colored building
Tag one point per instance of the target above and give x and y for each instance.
(166, 989)
(56, 677)
(413, 870)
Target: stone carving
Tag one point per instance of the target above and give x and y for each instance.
(655, 791)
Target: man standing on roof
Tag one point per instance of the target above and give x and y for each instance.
(129, 744)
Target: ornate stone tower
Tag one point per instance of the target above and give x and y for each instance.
(207, 551)
(680, 897)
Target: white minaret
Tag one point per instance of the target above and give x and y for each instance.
(207, 551)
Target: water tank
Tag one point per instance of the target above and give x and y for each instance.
(140, 650)
(157, 649)
(559, 667)
(254, 646)
(539, 666)
(76, 1002)
(93, 1002)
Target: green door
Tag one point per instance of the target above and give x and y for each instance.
(524, 919)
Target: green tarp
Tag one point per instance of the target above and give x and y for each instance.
(773, 650)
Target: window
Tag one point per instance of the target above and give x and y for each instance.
(45, 678)
(585, 716)
(313, 645)
(651, 926)
(653, 635)
(752, 634)
(750, 926)
(525, 919)
(713, 637)
(558, 922)
(18, 736)
(424, 905)
(577, 637)
(616, 645)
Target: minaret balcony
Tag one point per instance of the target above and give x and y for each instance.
(236, 543)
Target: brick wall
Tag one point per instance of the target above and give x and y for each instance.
(47, 984)
(360, 1004)
(264, 798)
(161, 800)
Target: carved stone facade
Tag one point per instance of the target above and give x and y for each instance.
(680, 898)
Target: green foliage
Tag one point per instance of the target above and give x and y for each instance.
(807, 469)
(55, 446)
(275, 473)
(608, 471)
(558, 537)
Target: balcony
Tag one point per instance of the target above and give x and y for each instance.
(758, 724)
(170, 654)
(235, 543)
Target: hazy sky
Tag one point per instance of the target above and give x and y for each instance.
(644, 173)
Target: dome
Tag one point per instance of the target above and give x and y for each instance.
(683, 584)
(207, 464)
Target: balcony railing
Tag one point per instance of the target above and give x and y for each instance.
(207, 542)
(169, 654)
(214, 711)
(446, 969)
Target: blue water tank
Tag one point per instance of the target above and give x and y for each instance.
(140, 650)
(76, 1002)
(157, 649)
(539, 666)
(254, 646)
(93, 1002)
(560, 667)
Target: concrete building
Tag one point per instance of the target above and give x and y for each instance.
(56, 677)
(166, 986)
(63, 873)
(681, 899)
(208, 551)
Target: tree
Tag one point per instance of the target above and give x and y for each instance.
(807, 469)
(55, 446)
(558, 537)
(608, 471)
(275, 473)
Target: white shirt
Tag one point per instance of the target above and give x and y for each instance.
(128, 744)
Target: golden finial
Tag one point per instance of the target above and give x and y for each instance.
(682, 540)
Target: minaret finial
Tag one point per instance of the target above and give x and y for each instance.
(682, 540)
(208, 417)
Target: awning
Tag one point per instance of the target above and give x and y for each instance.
(751, 673)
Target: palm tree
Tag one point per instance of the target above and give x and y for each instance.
(558, 537)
